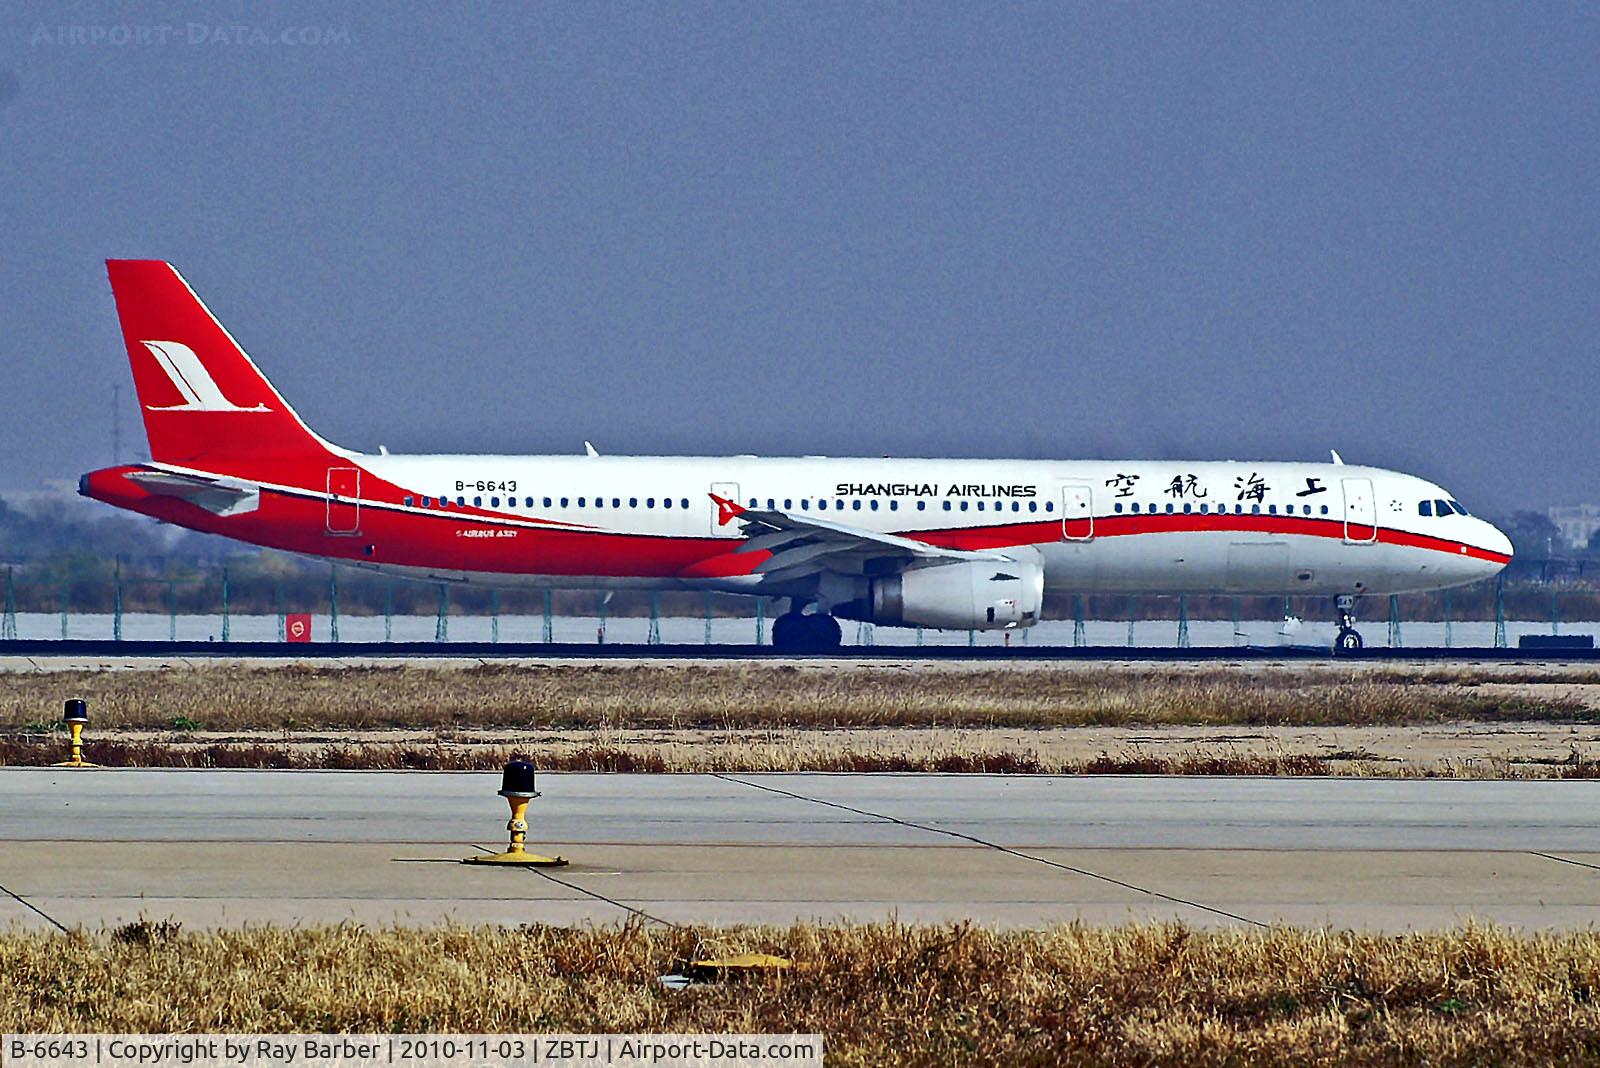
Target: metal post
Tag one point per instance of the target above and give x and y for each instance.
(919, 635)
(1183, 621)
(864, 635)
(1077, 619)
(708, 617)
(225, 620)
(494, 615)
(761, 621)
(172, 612)
(333, 603)
(1131, 607)
(116, 604)
(1555, 614)
(441, 625)
(1395, 640)
(1500, 611)
(654, 637)
(605, 607)
(549, 627)
(1238, 623)
(8, 628)
(1447, 634)
(972, 638)
(388, 611)
(283, 620)
(66, 595)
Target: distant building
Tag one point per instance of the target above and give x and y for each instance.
(1577, 522)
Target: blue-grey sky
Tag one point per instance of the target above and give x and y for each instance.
(1091, 230)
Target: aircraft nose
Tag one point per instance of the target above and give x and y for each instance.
(1492, 539)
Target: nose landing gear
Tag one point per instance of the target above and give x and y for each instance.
(1349, 639)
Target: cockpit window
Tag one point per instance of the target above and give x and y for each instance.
(1441, 507)
(1425, 508)
(1459, 510)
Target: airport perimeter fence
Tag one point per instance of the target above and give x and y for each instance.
(344, 607)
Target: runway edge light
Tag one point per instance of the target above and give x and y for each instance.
(76, 717)
(516, 786)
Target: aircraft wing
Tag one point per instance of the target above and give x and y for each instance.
(804, 545)
(220, 496)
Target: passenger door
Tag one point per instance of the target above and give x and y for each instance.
(1077, 511)
(344, 500)
(1360, 512)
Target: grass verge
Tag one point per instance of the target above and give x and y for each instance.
(881, 994)
(741, 697)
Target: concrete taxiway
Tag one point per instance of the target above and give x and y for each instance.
(83, 847)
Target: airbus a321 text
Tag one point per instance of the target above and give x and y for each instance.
(963, 544)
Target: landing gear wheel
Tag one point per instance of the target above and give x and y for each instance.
(788, 631)
(824, 632)
(794, 632)
(1348, 641)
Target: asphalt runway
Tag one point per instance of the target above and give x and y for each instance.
(213, 848)
(23, 650)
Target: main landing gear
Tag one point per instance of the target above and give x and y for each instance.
(796, 632)
(1349, 639)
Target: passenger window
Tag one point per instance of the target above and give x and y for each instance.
(547, 502)
(772, 505)
(1117, 507)
(1324, 509)
(1049, 506)
(1272, 509)
(1135, 507)
(1255, 509)
(599, 502)
(494, 502)
(873, 504)
(963, 506)
(581, 500)
(477, 502)
(650, 502)
(408, 502)
(633, 502)
(947, 506)
(1425, 508)
(616, 502)
(922, 506)
(856, 504)
(1033, 506)
(666, 502)
(980, 506)
(1187, 508)
(684, 502)
(752, 502)
(894, 506)
(1016, 506)
(788, 503)
(822, 504)
(527, 502)
(1170, 509)
(564, 502)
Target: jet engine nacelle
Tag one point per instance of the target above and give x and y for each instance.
(971, 595)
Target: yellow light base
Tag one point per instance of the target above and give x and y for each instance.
(740, 964)
(74, 764)
(517, 859)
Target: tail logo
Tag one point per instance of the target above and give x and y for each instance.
(190, 377)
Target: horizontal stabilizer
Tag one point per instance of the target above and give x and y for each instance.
(219, 496)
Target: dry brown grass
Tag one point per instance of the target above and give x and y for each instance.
(882, 994)
(729, 697)
(794, 754)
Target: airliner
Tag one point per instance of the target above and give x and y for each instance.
(958, 544)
